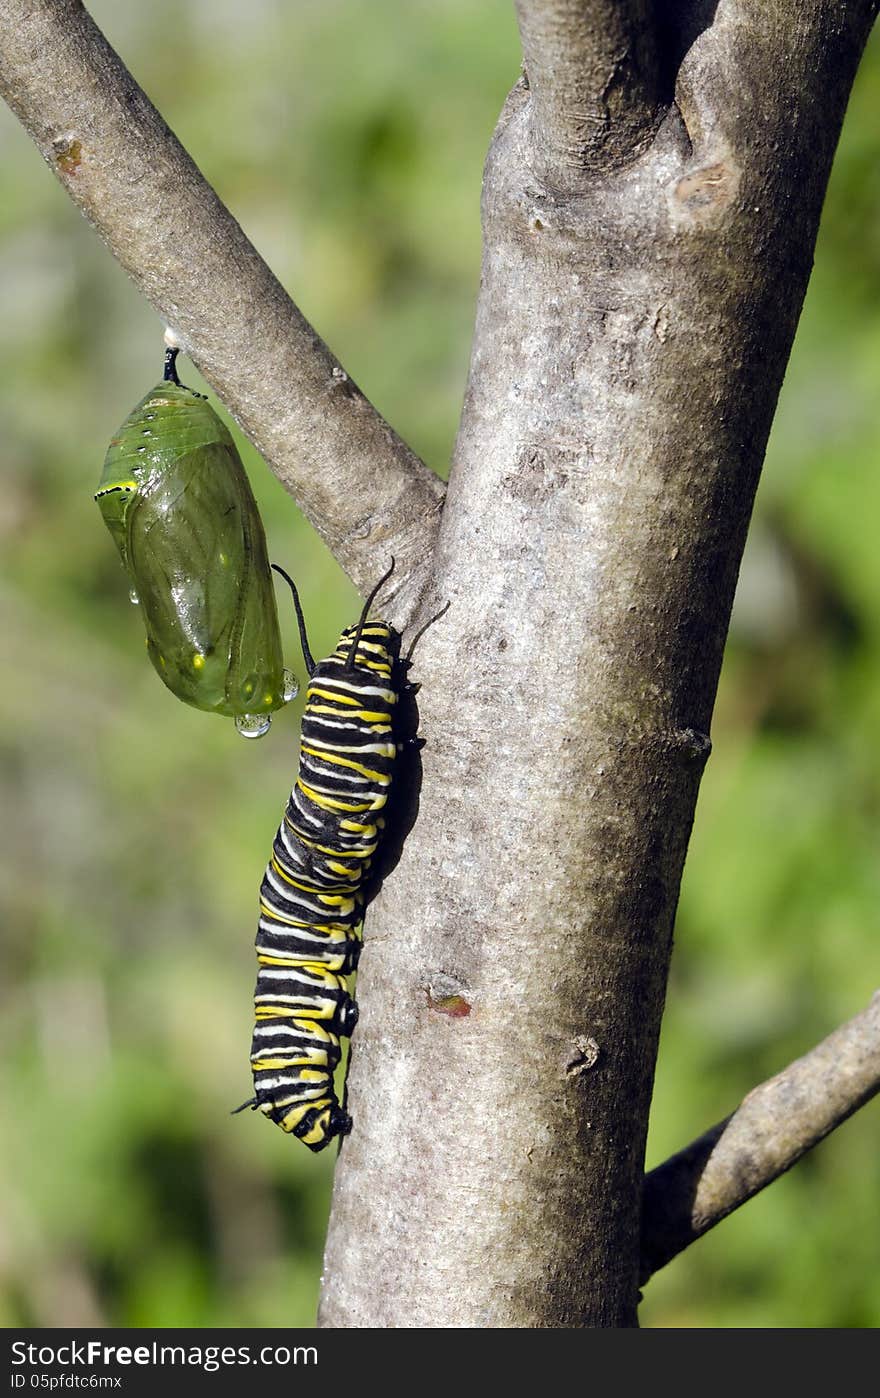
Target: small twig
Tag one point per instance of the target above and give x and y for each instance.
(775, 1125)
(359, 484)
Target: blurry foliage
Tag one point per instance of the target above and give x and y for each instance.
(348, 137)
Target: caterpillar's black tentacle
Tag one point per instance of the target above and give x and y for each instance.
(301, 621)
(315, 888)
(251, 1102)
(407, 660)
(356, 640)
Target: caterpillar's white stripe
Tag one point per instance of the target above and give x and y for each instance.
(383, 749)
(304, 935)
(327, 912)
(357, 727)
(304, 1093)
(340, 773)
(331, 682)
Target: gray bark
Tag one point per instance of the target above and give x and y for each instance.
(651, 202)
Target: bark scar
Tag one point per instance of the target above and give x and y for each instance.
(67, 152)
(693, 745)
(443, 995)
(587, 1055)
(455, 1006)
(704, 194)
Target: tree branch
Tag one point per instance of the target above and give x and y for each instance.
(592, 73)
(777, 1123)
(359, 484)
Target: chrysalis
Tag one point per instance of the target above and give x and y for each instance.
(177, 502)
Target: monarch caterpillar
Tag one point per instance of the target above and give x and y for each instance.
(315, 889)
(177, 502)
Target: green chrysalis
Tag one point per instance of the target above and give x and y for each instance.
(178, 504)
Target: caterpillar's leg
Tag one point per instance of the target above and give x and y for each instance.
(347, 1017)
(334, 1121)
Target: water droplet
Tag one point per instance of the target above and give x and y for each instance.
(133, 598)
(290, 685)
(253, 725)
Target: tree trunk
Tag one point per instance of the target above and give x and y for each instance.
(638, 302)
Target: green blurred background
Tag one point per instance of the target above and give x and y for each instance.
(348, 137)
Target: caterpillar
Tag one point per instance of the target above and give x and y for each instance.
(177, 502)
(316, 886)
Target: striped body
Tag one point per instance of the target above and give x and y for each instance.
(314, 890)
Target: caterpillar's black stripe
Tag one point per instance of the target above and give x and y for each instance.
(314, 890)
